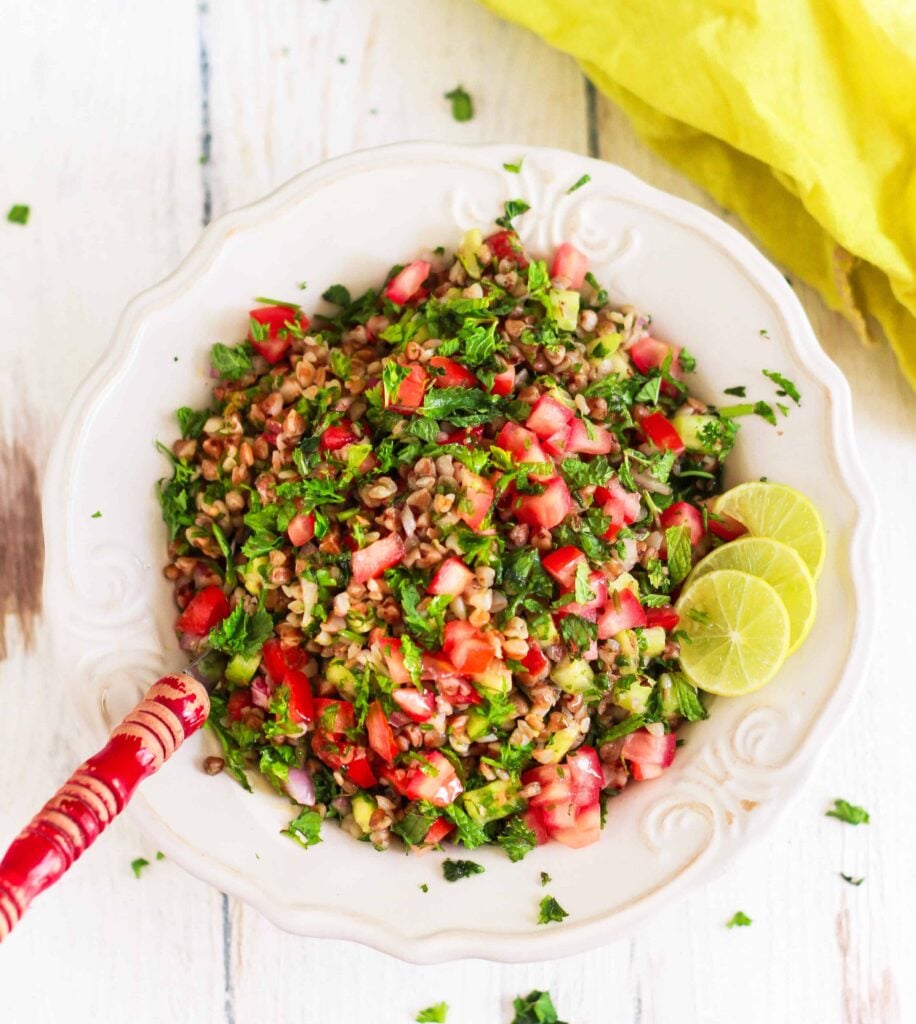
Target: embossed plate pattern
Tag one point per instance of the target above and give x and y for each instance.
(349, 220)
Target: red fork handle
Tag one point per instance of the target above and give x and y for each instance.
(87, 803)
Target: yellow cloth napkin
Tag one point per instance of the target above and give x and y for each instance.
(799, 115)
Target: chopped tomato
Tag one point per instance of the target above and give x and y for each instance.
(621, 505)
(589, 438)
(360, 773)
(536, 664)
(439, 829)
(666, 617)
(381, 735)
(662, 433)
(648, 755)
(334, 717)
(436, 666)
(535, 822)
(451, 577)
(567, 805)
(547, 416)
(396, 778)
(476, 499)
(394, 659)
(405, 284)
(585, 830)
(279, 338)
(503, 382)
(569, 265)
(682, 513)
(349, 758)
(301, 529)
(558, 444)
(650, 354)
(452, 375)
(547, 509)
(468, 436)
(726, 528)
(562, 564)
(205, 609)
(521, 443)
(411, 390)
(506, 245)
(273, 659)
(435, 781)
(419, 705)
(236, 704)
(337, 436)
(467, 648)
(301, 701)
(623, 611)
(371, 561)
(587, 780)
(597, 584)
(457, 690)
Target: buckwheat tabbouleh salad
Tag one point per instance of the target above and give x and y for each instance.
(431, 540)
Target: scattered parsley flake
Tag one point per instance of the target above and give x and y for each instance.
(535, 1008)
(424, 887)
(545, 879)
(435, 1014)
(849, 813)
(584, 180)
(462, 104)
(739, 920)
(739, 392)
(787, 386)
(19, 214)
(96, 515)
(517, 839)
(513, 208)
(550, 910)
(305, 828)
(453, 870)
(514, 168)
(241, 633)
(851, 880)
(763, 331)
(160, 855)
(138, 865)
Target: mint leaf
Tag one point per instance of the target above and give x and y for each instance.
(849, 813)
(680, 553)
(305, 828)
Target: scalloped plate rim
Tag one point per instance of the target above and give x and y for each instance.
(570, 937)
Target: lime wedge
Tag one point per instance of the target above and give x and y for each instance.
(778, 512)
(737, 632)
(780, 566)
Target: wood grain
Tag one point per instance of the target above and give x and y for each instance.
(103, 140)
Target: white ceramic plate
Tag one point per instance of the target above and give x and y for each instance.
(349, 220)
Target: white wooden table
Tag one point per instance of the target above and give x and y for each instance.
(126, 126)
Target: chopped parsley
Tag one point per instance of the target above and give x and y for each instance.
(241, 633)
(18, 214)
(550, 910)
(514, 168)
(435, 1014)
(453, 870)
(512, 208)
(535, 1008)
(138, 865)
(305, 828)
(849, 813)
(785, 385)
(96, 515)
(462, 104)
(739, 392)
(191, 422)
(584, 180)
(231, 362)
(517, 839)
(739, 920)
(545, 879)
(851, 880)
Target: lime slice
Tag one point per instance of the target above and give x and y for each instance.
(778, 512)
(737, 632)
(781, 567)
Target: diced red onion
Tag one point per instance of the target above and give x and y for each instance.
(300, 787)
(398, 718)
(630, 555)
(261, 692)
(648, 481)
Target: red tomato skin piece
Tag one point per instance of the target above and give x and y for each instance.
(370, 562)
(547, 509)
(452, 577)
(380, 733)
(301, 700)
(407, 282)
(666, 617)
(453, 374)
(682, 513)
(662, 433)
(562, 564)
(569, 265)
(623, 612)
(506, 245)
(206, 609)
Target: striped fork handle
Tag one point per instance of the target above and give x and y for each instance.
(87, 803)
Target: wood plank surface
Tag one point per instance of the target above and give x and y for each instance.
(107, 109)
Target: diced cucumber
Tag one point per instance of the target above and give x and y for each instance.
(559, 743)
(563, 308)
(690, 428)
(478, 726)
(653, 642)
(603, 347)
(496, 800)
(670, 704)
(241, 669)
(624, 582)
(628, 659)
(634, 697)
(342, 678)
(211, 667)
(363, 807)
(497, 678)
(573, 675)
(544, 630)
(467, 251)
(361, 622)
